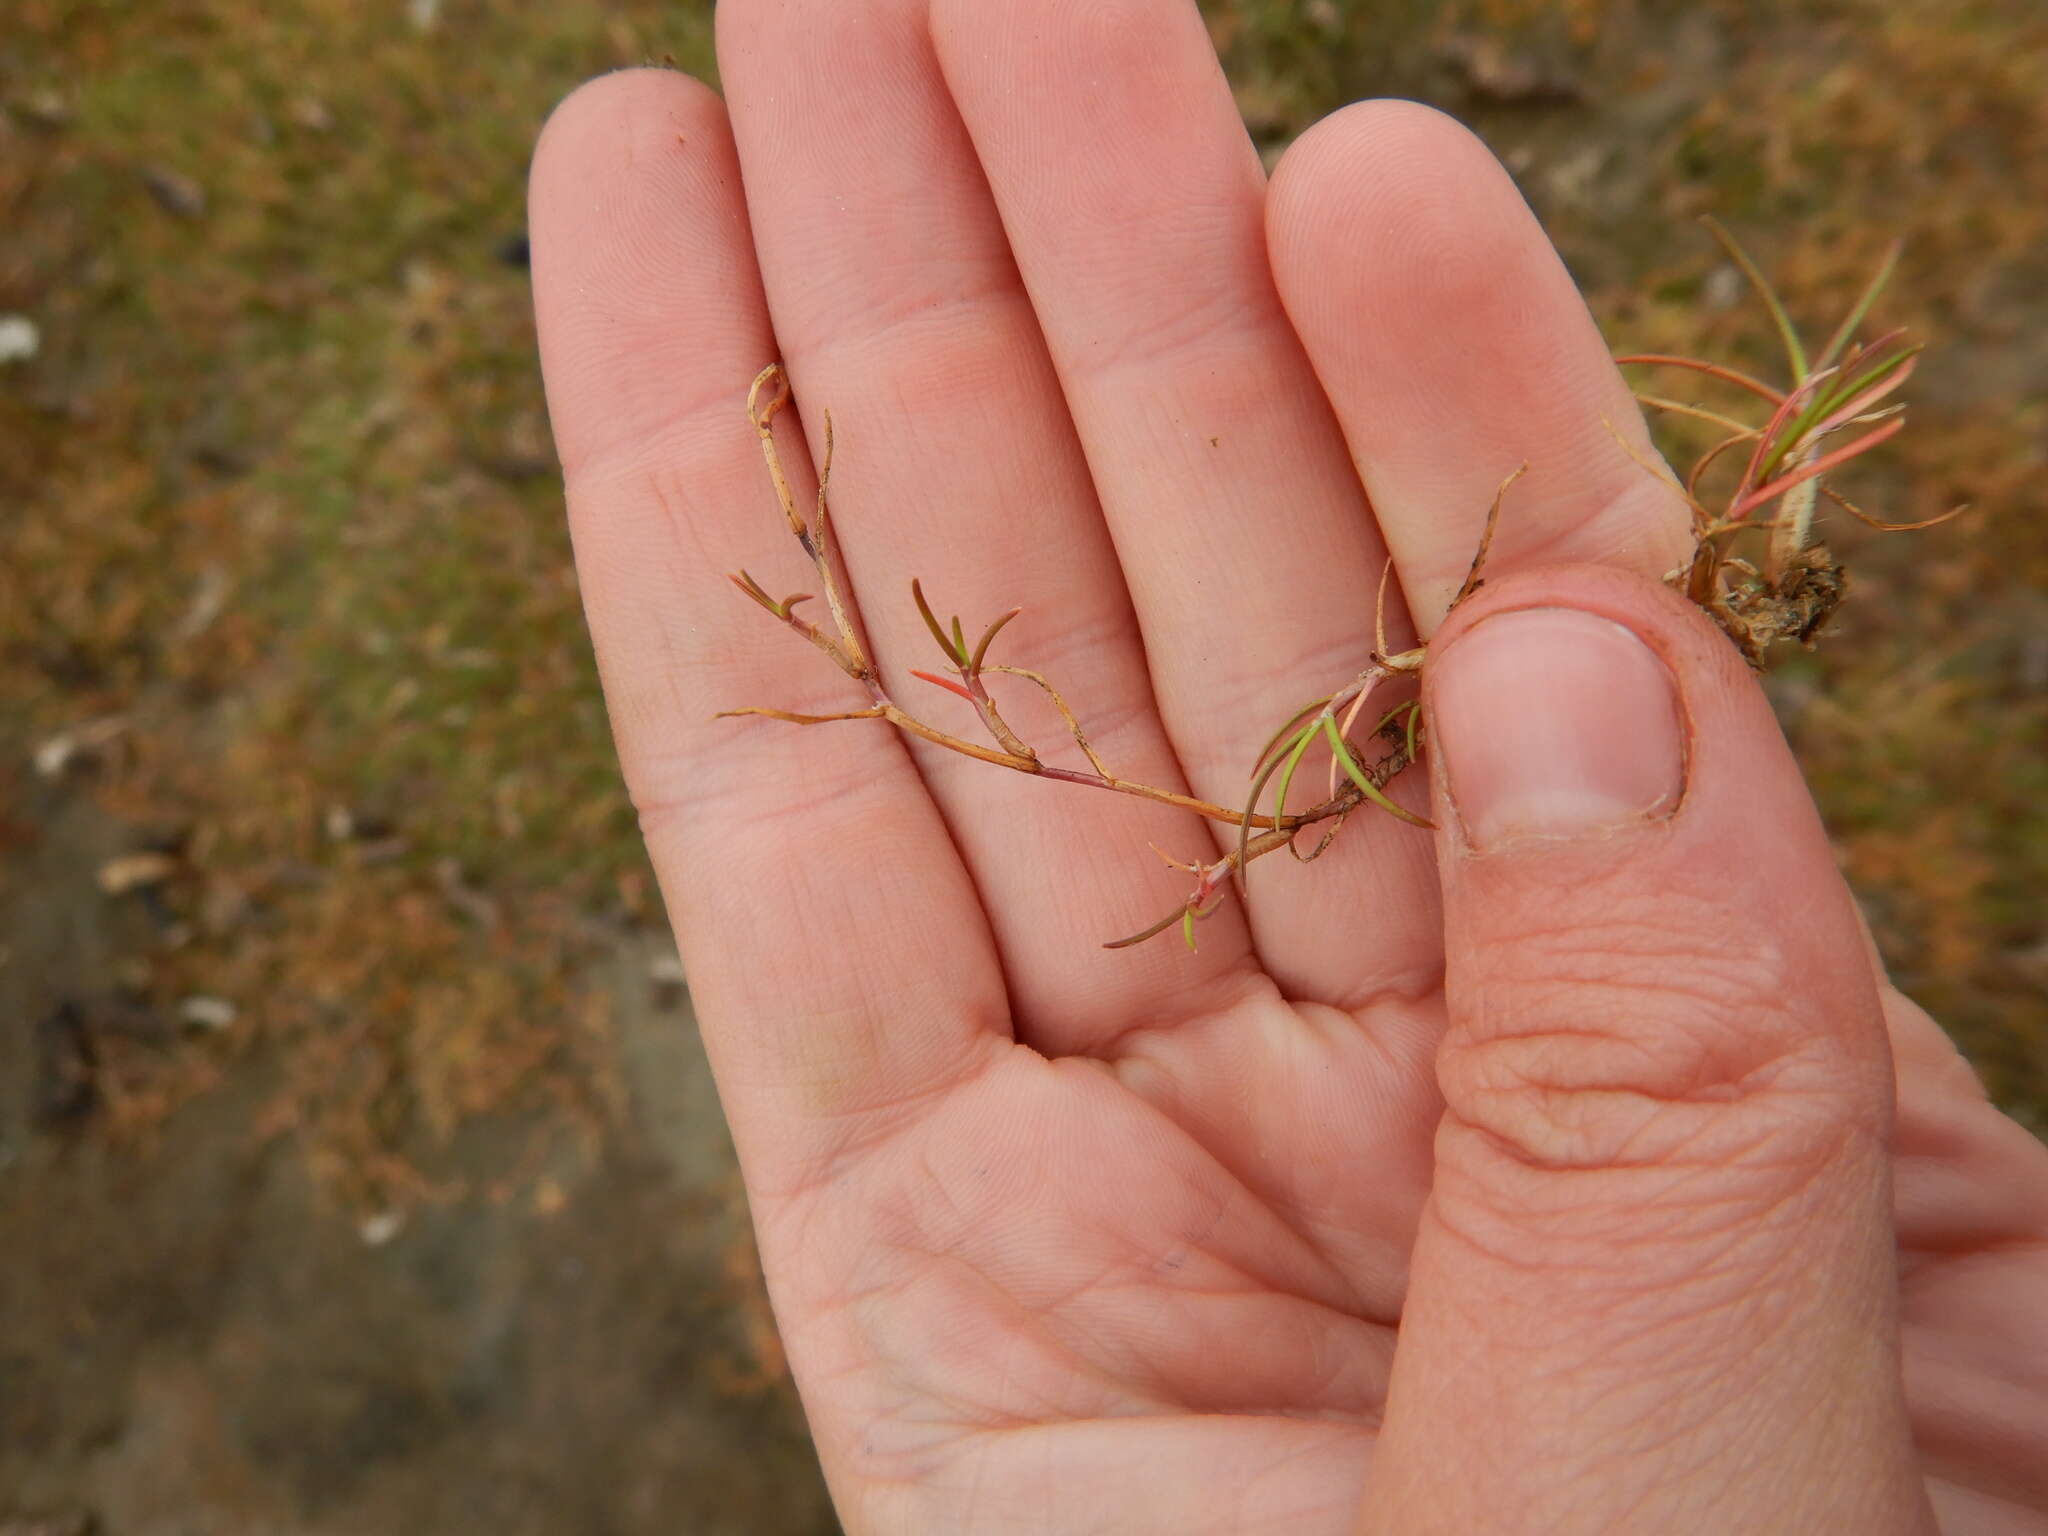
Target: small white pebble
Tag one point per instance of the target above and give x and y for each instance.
(19, 339)
(133, 871)
(54, 755)
(210, 1013)
(1723, 288)
(379, 1229)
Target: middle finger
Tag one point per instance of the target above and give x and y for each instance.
(1134, 202)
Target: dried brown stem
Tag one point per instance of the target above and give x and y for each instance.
(1698, 412)
(872, 712)
(1472, 576)
(817, 541)
(1880, 524)
(784, 611)
(1073, 724)
(1706, 461)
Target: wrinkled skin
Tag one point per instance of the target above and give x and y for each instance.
(1069, 1240)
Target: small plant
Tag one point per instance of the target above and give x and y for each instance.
(1787, 588)
(1798, 585)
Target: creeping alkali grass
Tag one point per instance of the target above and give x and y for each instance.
(1756, 569)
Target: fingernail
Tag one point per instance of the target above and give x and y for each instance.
(1553, 723)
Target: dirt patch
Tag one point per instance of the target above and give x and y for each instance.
(196, 1338)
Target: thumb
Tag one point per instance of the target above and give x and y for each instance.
(1654, 1289)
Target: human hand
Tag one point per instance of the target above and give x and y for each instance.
(1068, 1240)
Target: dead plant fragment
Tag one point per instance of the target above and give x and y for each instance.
(1757, 569)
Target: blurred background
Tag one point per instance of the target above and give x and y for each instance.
(359, 1171)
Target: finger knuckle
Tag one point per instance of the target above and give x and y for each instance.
(1630, 1042)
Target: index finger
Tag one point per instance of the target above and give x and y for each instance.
(837, 954)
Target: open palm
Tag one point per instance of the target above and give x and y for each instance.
(1061, 1238)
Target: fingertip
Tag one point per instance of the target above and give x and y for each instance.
(1398, 165)
(1727, 719)
(1393, 231)
(1128, 185)
(1554, 723)
(1167, 82)
(643, 274)
(616, 115)
(1738, 771)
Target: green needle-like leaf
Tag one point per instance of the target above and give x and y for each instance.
(1287, 770)
(1293, 720)
(1251, 809)
(1143, 934)
(1847, 329)
(1862, 381)
(988, 637)
(1342, 751)
(1793, 349)
(1815, 469)
(931, 622)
